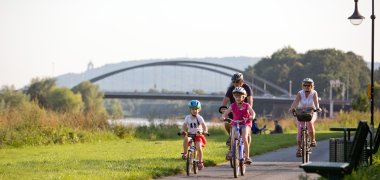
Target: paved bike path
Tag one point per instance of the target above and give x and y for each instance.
(281, 164)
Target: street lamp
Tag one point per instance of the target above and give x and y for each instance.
(356, 19)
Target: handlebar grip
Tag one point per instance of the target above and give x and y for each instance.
(229, 120)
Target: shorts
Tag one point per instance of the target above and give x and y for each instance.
(200, 138)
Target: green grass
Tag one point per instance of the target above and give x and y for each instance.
(120, 159)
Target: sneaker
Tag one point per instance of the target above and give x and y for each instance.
(248, 160)
(313, 143)
(228, 156)
(299, 153)
(200, 166)
(184, 156)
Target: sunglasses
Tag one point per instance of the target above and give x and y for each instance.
(306, 85)
(238, 81)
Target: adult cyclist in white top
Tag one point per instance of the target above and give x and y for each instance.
(306, 98)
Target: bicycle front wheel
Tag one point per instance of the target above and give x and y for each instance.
(305, 153)
(195, 162)
(189, 162)
(235, 158)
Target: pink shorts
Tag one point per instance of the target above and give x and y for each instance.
(300, 126)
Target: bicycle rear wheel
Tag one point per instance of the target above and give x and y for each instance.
(231, 160)
(189, 162)
(235, 158)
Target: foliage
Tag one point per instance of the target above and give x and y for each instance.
(370, 172)
(361, 103)
(11, 98)
(321, 65)
(91, 96)
(39, 88)
(64, 100)
(199, 91)
(29, 124)
(114, 108)
(277, 67)
(376, 94)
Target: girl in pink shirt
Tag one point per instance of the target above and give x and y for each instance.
(241, 111)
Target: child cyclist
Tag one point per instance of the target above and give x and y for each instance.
(194, 123)
(241, 111)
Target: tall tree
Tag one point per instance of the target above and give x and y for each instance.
(277, 67)
(92, 97)
(63, 100)
(10, 97)
(39, 88)
(116, 110)
(321, 65)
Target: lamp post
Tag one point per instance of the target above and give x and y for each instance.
(356, 19)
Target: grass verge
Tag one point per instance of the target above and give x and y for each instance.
(120, 159)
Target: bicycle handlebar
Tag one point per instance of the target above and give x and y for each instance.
(229, 120)
(185, 133)
(305, 110)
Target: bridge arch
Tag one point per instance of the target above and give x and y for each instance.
(195, 64)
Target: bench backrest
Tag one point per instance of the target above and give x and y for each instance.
(358, 144)
(376, 140)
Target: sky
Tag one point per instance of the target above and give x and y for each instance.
(47, 38)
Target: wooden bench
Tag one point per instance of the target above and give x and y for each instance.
(337, 170)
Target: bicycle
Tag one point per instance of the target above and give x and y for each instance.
(237, 150)
(305, 115)
(191, 159)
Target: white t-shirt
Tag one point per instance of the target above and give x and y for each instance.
(194, 125)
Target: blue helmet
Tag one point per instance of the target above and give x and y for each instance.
(194, 104)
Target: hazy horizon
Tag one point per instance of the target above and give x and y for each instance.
(45, 38)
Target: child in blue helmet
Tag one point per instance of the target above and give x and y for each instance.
(194, 123)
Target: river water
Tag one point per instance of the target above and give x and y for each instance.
(145, 122)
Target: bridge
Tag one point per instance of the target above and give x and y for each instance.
(268, 97)
(260, 83)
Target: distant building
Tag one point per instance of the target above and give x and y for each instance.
(90, 65)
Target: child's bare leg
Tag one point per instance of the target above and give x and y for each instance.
(249, 136)
(244, 134)
(185, 143)
(198, 145)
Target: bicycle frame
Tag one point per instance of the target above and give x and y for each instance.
(191, 161)
(304, 116)
(240, 140)
(305, 143)
(237, 150)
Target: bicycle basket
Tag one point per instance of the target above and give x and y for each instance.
(304, 115)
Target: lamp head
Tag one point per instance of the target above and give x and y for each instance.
(356, 18)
